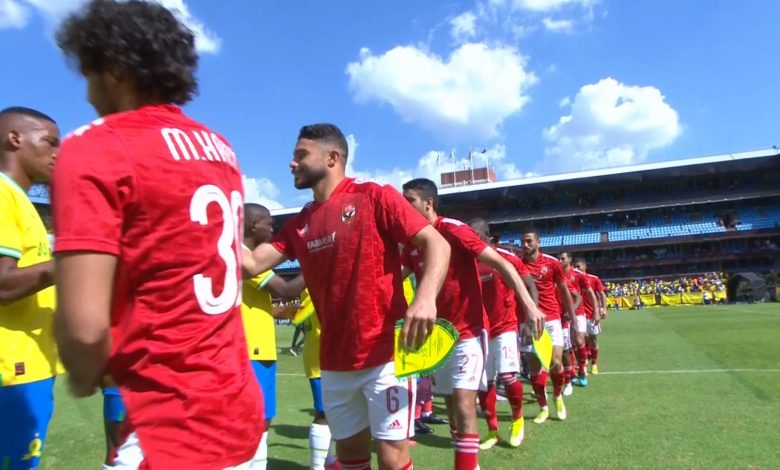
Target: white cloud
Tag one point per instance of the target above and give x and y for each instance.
(14, 13)
(558, 26)
(566, 101)
(463, 27)
(205, 40)
(261, 191)
(610, 124)
(467, 96)
(548, 5)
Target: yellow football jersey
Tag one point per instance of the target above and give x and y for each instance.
(311, 344)
(28, 352)
(257, 314)
(410, 287)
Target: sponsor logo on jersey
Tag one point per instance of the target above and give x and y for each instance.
(322, 243)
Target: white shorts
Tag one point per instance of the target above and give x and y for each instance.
(582, 324)
(566, 332)
(502, 355)
(593, 328)
(555, 330)
(369, 398)
(465, 369)
(129, 456)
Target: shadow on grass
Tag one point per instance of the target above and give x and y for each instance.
(293, 432)
(433, 440)
(285, 465)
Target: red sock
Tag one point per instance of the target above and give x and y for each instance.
(539, 383)
(594, 355)
(466, 449)
(572, 362)
(514, 394)
(566, 375)
(355, 464)
(557, 380)
(409, 466)
(417, 411)
(581, 360)
(428, 407)
(487, 402)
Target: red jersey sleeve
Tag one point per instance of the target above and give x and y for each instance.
(92, 187)
(557, 268)
(282, 241)
(394, 215)
(521, 268)
(464, 236)
(599, 286)
(582, 282)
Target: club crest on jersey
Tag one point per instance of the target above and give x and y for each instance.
(543, 271)
(348, 212)
(303, 230)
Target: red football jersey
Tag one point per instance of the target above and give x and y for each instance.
(572, 283)
(582, 284)
(597, 286)
(163, 194)
(547, 272)
(348, 250)
(498, 298)
(460, 299)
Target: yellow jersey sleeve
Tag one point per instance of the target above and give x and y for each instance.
(311, 347)
(257, 315)
(10, 225)
(28, 352)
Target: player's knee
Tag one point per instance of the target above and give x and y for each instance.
(392, 454)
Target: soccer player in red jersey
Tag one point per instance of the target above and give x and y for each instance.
(347, 243)
(594, 312)
(580, 290)
(503, 359)
(580, 283)
(147, 212)
(460, 302)
(547, 272)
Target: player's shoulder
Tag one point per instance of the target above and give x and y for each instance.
(551, 259)
(89, 134)
(507, 253)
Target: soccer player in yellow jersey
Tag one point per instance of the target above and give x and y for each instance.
(320, 449)
(28, 354)
(258, 316)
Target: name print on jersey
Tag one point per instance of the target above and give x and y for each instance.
(212, 148)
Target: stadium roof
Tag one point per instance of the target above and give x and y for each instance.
(579, 175)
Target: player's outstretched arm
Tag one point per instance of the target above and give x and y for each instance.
(261, 259)
(530, 285)
(568, 303)
(85, 283)
(286, 289)
(17, 283)
(421, 315)
(593, 301)
(534, 317)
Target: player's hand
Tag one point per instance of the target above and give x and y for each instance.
(603, 312)
(418, 323)
(107, 382)
(535, 320)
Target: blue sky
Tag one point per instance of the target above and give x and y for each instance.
(544, 85)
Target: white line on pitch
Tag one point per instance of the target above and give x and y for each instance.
(684, 371)
(634, 372)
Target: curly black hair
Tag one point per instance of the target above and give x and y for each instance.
(136, 39)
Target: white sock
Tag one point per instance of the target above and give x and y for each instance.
(261, 457)
(319, 445)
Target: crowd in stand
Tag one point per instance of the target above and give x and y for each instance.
(707, 282)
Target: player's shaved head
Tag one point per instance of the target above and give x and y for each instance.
(20, 119)
(531, 232)
(482, 228)
(254, 212)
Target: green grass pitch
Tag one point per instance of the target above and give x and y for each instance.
(681, 387)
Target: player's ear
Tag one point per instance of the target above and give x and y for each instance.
(13, 140)
(334, 158)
